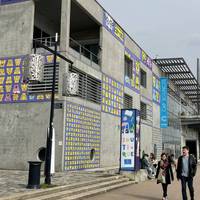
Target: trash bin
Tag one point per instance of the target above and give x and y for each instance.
(34, 175)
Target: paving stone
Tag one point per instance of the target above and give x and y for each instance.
(12, 181)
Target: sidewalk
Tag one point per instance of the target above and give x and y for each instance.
(12, 181)
(148, 190)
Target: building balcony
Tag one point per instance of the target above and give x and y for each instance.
(76, 50)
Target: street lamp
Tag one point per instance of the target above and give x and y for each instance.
(33, 71)
(50, 131)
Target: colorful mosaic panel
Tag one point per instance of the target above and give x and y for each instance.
(156, 89)
(113, 27)
(83, 133)
(133, 83)
(112, 96)
(146, 59)
(12, 88)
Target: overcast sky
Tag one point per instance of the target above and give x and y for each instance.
(163, 28)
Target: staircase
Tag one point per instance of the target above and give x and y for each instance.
(76, 191)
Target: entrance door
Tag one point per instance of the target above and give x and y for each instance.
(192, 144)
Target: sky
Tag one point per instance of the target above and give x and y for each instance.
(163, 28)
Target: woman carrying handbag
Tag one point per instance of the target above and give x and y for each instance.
(164, 174)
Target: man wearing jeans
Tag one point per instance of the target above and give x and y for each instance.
(186, 170)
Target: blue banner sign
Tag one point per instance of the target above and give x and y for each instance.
(137, 140)
(128, 125)
(163, 102)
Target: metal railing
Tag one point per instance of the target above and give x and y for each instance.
(50, 41)
(83, 51)
(47, 41)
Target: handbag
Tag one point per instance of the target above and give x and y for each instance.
(161, 177)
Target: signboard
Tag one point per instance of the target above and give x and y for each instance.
(163, 103)
(113, 27)
(130, 140)
(146, 60)
(156, 89)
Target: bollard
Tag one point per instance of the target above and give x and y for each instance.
(34, 175)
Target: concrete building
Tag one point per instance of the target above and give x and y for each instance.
(115, 73)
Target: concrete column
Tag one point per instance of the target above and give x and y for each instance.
(64, 49)
(64, 39)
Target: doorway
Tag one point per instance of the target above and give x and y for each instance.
(192, 144)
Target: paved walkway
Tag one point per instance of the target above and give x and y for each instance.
(12, 182)
(148, 190)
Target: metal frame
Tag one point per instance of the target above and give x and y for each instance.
(180, 74)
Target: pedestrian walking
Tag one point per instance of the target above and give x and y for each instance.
(146, 165)
(173, 162)
(153, 163)
(164, 174)
(186, 170)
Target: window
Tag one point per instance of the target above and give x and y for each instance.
(143, 110)
(89, 87)
(128, 101)
(46, 85)
(143, 78)
(128, 67)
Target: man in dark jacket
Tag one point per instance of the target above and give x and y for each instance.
(186, 170)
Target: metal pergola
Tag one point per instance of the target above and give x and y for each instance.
(180, 74)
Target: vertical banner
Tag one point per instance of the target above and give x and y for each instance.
(137, 141)
(127, 151)
(163, 102)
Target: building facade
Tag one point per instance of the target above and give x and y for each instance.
(114, 73)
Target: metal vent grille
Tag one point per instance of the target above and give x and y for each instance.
(128, 67)
(89, 87)
(143, 79)
(143, 112)
(128, 101)
(46, 85)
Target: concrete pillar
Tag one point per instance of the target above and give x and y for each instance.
(64, 49)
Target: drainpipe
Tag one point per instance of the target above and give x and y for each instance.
(198, 109)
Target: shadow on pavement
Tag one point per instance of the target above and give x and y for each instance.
(144, 197)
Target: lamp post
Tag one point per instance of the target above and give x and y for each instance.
(33, 66)
(50, 130)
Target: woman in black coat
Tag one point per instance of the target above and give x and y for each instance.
(164, 174)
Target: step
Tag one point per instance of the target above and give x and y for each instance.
(40, 192)
(79, 190)
(88, 194)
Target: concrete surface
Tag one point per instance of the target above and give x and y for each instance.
(16, 28)
(148, 190)
(14, 182)
(24, 131)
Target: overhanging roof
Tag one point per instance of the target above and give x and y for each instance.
(191, 121)
(180, 74)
